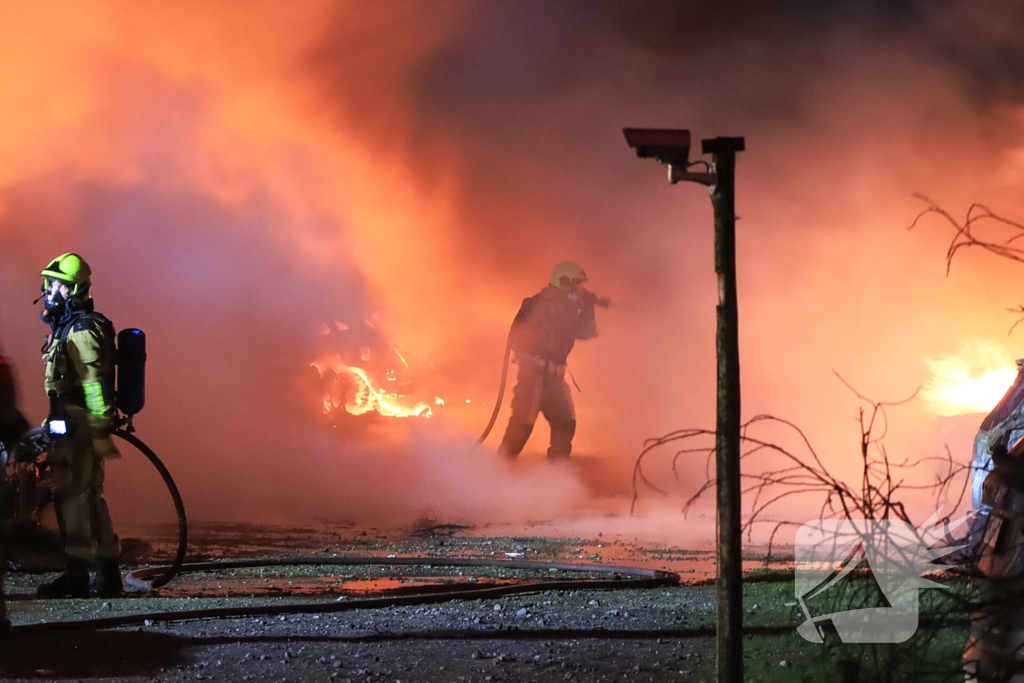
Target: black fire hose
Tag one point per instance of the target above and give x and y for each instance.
(501, 391)
(156, 579)
(639, 578)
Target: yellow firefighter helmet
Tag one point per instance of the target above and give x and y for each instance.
(567, 274)
(72, 270)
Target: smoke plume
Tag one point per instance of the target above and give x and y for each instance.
(239, 173)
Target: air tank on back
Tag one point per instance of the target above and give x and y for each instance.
(131, 371)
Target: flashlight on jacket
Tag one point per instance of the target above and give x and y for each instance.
(57, 421)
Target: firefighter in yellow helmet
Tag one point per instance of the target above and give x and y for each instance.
(543, 333)
(79, 356)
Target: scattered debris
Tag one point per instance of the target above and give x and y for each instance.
(428, 528)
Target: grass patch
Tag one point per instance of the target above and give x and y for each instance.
(932, 655)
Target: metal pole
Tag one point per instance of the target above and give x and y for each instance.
(672, 147)
(727, 438)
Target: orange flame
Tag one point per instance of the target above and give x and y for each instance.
(971, 381)
(366, 393)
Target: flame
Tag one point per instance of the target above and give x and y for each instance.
(970, 381)
(366, 393)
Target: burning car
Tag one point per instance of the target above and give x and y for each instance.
(362, 374)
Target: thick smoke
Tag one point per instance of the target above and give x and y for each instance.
(238, 174)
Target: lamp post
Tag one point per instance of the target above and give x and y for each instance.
(672, 147)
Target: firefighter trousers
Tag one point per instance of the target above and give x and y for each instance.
(82, 513)
(540, 388)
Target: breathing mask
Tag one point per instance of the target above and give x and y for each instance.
(54, 303)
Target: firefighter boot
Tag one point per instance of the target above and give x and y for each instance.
(516, 436)
(107, 583)
(73, 583)
(561, 440)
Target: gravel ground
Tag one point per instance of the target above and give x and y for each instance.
(614, 635)
(584, 635)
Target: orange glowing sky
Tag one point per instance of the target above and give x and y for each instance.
(256, 168)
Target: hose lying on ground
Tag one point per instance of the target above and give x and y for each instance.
(642, 578)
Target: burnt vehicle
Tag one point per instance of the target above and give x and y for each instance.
(26, 485)
(997, 493)
(999, 431)
(26, 492)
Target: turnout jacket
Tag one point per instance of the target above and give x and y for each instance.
(79, 358)
(549, 323)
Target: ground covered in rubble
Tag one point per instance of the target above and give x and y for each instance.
(608, 635)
